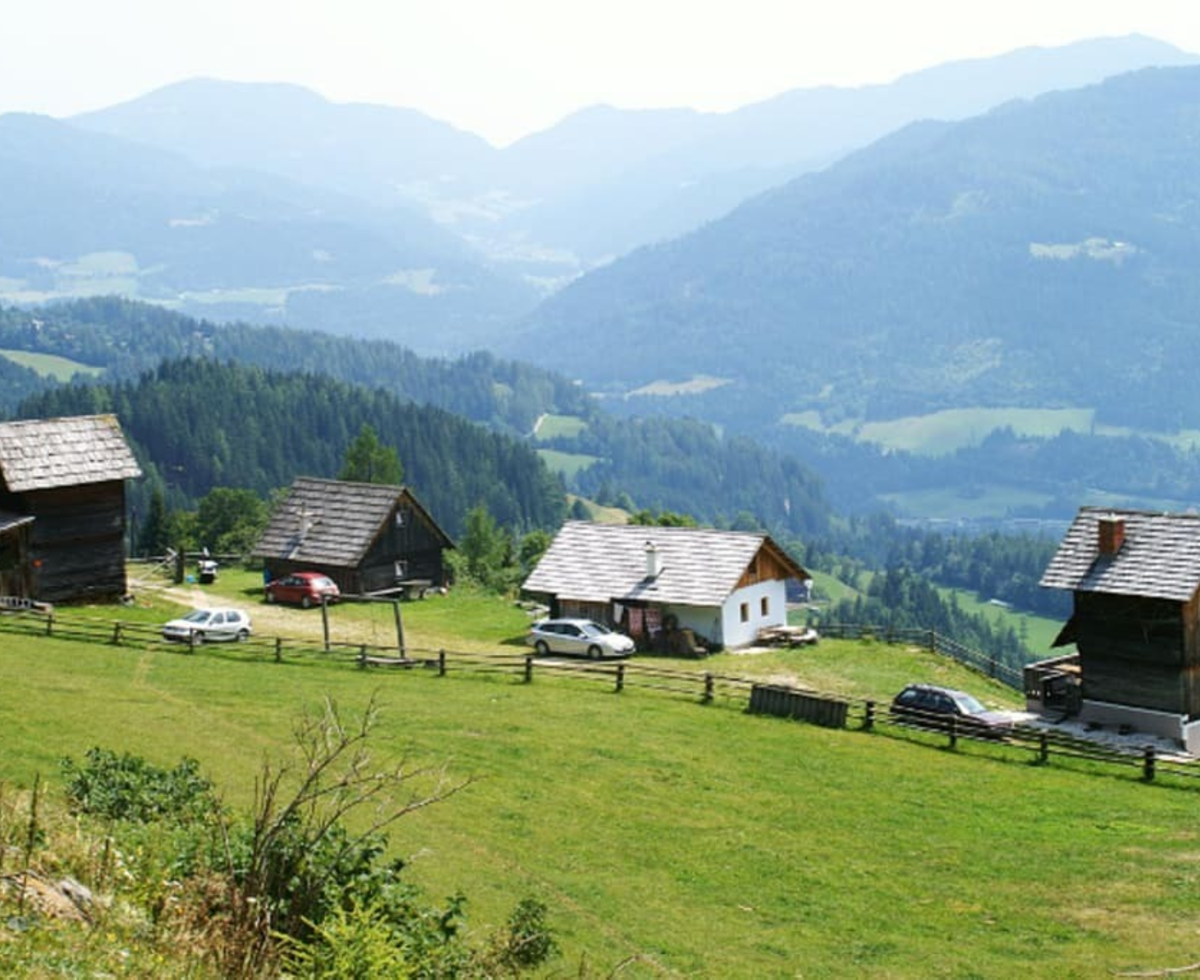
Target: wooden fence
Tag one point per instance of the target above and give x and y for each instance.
(703, 687)
(931, 640)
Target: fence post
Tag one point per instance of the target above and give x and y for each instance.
(399, 626)
(362, 657)
(620, 678)
(441, 663)
(1148, 764)
(708, 688)
(191, 641)
(325, 621)
(279, 649)
(528, 669)
(953, 731)
(49, 623)
(933, 641)
(116, 637)
(1043, 747)
(869, 716)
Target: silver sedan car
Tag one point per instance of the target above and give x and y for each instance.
(578, 637)
(209, 626)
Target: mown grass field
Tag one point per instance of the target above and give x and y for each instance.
(555, 426)
(49, 365)
(569, 464)
(677, 838)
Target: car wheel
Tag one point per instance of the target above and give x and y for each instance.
(593, 652)
(198, 638)
(541, 648)
(305, 602)
(270, 597)
(243, 636)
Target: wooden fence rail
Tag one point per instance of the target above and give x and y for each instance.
(931, 640)
(749, 694)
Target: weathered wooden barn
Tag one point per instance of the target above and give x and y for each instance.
(62, 508)
(724, 586)
(1135, 580)
(367, 537)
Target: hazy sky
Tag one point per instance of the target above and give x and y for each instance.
(504, 68)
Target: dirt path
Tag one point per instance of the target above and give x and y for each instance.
(267, 620)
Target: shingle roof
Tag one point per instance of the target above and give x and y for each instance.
(45, 453)
(1160, 556)
(606, 562)
(332, 522)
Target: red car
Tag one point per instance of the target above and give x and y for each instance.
(303, 589)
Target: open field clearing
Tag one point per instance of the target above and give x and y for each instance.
(558, 426)
(49, 365)
(684, 839)
(569, 464)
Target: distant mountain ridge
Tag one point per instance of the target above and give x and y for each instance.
(87, 213)
(603, 180)
(1042, 254)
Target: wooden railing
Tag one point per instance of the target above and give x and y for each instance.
(702, 687)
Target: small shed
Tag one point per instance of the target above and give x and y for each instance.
(1135, 581)
(367, 537)
(62, 508)
(724, 586)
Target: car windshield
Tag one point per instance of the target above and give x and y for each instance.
(967, 704)
(595, 629)
(322, 582)
(199, 616)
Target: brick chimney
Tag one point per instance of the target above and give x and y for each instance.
(1111, 534)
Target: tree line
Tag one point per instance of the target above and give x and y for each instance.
(196, 425)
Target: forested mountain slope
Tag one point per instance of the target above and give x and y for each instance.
(197, 424)
(679, 465)
(1041, 255)
(126, 338)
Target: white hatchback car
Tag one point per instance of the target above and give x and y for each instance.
(209, 626)
(579, 637)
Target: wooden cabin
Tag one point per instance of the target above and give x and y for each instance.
(62, 508)
(367, 537)
(723, 586)
(1135, 580)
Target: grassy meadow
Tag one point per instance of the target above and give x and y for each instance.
(50, 365)
(670, 838)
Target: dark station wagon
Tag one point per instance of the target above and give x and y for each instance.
(945, 709)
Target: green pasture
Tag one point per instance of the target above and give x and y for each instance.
(50, 365)
(940, 433)
(1039, 630)
(958, 503)
(569, 464)
(554, 426)
(676, 838)
(668, 837)
(944, 432)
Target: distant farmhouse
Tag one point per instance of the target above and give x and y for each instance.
(62, 508)
(367, 537)
(1135, 579)
(724, 586)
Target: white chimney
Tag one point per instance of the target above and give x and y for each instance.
(653, 567)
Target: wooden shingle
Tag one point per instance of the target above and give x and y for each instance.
(332, 522)
(1159, 557)
(44, 454)
(606, 562)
